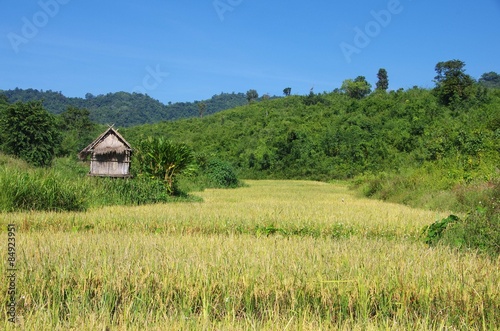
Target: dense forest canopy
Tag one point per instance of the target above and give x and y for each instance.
(126, 109)
(490, 79)
(336, 136)
(454, 127)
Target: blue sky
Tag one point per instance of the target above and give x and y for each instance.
(185, 50)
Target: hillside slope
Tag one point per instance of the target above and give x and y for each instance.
(126, 109)
(333, 136)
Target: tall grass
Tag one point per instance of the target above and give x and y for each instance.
(39, 190)
(65, 187)
(478, 202)
(428, 187)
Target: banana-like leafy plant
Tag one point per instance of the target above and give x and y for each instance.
(163, 159)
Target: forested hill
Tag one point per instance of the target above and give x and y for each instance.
(126, 109)
(325, 136)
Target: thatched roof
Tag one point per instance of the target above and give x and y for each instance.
(107, 143)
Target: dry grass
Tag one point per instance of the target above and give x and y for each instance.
(204, 266)
(322, 209)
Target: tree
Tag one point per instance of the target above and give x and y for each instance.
(383, 80)
(452, 83)
(357, 88)
(201, 108)
(3, 108)
(30, 133)
(490, 79)
(164, 160)
(3, 99)
(77, 130)
(252, 95)
(76, 119)
(287, 91)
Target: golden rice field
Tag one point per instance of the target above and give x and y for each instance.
(274, 255)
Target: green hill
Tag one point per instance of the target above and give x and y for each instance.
(332, 136)
(126, 109)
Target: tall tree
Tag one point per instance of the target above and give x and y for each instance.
(357, 88)
(202, 107)
(452, 83)
(252, 95)
(383, 80)
(287, 91)
(76, 119)
(3, 108)
(77, 130)
(490, 79)
(30, 133)
(3, 99)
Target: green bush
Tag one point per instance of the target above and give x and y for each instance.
(221, 174)
(434, 232)
(29, 132)
(480, 230)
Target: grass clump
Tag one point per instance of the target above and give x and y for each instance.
(119, 191)
(39, 190)
(479, 229)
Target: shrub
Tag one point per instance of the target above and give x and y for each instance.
(434, 232)
(221, 174)
(480, 230)
(29, 132)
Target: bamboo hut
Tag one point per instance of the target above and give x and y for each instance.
(109, 155)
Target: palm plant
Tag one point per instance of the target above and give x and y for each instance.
(163, 159)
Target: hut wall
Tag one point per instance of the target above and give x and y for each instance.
(113, 165)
